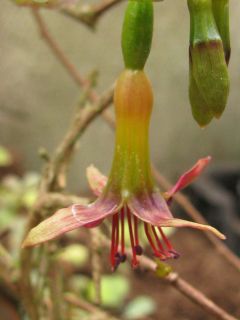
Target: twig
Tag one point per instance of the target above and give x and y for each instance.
(60, 55)
(50, 182)
(90, 14)
(56, 290)
(96, 264)
(81, 120)
(6, 270)
(54, 173)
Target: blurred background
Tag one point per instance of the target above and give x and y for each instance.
(37, 102)
(37, 96)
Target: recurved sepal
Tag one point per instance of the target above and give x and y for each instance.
(137, 33)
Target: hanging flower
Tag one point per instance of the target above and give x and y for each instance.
(129, 193)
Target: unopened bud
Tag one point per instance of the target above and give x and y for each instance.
(221, 15)
(137, 33)
(207, 63)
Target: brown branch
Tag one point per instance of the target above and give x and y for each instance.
(51, 181)
(90, 14)
(6, 271)
(60, 55)
(82, 119)
(96, 264)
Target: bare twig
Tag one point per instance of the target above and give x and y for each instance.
(6, 270)
(90, 14)
(96, 265)
(80, 122)
(56, 290)
(60, 55)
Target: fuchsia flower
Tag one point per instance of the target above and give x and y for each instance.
(129, 193)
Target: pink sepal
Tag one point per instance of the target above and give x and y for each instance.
(97, 181)
(188, 177)
(179, 223)
(71, 218)
(150, 207)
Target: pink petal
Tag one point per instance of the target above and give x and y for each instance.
(71, 218)
(188, 177)
(96, 180)
(179, 223)
(150, 207)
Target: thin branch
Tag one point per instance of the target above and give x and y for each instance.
(90, 14)
(96, 264)
(54, 173)
(6, 271)
(82, 119)
(55, 279)
(60, 55)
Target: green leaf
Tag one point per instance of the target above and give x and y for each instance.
(75, 254)
(114, 290)
(5, 157)
(140, 307)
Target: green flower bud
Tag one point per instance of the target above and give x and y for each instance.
(221, 14)
(137, 33)
(200, 111)
(207, 60)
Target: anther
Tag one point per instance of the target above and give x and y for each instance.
(139, 250)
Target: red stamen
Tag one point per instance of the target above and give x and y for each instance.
(137, 247)
(135, 219)
(122, 234)
(134, 256)
(171, 250)
(112, 255)
(117, 233)
(165, 239)
(156, 252)
(160, 246)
